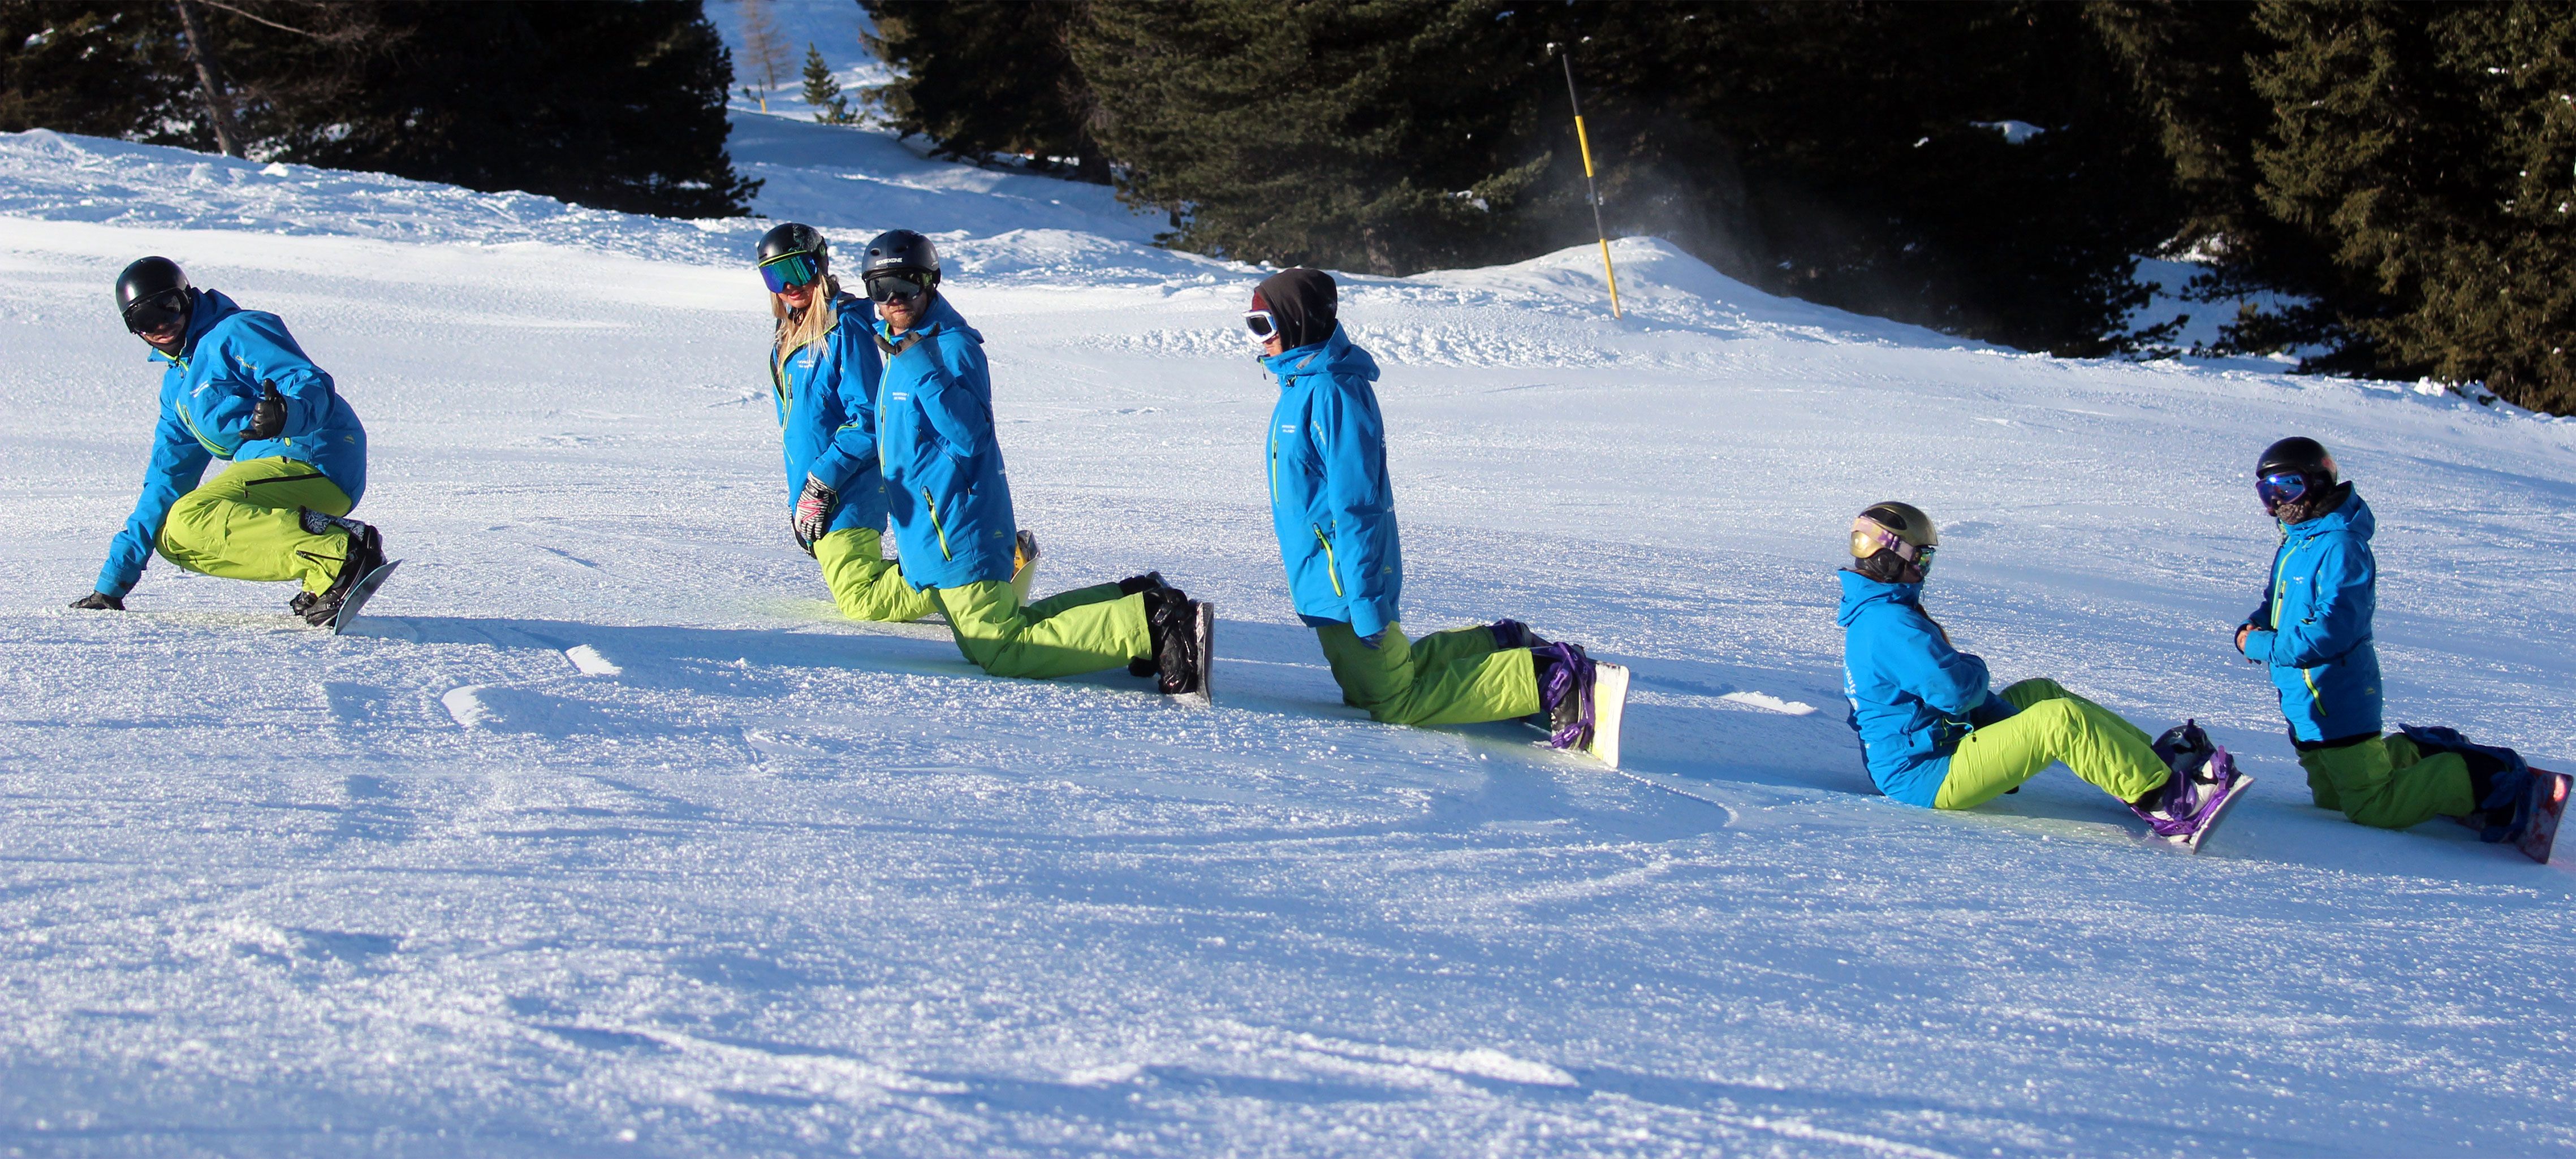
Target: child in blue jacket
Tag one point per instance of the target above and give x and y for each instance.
(1334, 511)
(948, 500)
(235, 386)
(1934, 734)
(2313, 631)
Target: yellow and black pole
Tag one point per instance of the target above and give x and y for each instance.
(1590, 189)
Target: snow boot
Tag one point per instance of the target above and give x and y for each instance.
(1565, 678)
(2187, 750)
(1176, 626)
(366, 553)
(1510, 634)
(2499, 781)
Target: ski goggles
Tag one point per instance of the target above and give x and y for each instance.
(1262, 323)
(1867, 538)
(2276, 490)
(789, 270)
(896, 288)
(158, 312)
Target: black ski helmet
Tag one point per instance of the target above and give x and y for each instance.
(2299, 454)
(901, 251)
(794, 237)
(150, 293)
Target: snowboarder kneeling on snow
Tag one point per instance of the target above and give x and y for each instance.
(2313, 630)
(238, 388)
(950, 503)
(823, 376)
(1934, 735)
(1334, 510)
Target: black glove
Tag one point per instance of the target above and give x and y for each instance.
(268, 415)
(813, 514)
(99, 602)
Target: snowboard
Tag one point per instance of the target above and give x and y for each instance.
(1024, 566)
(359, 595)
(2235, 788)
(1609, 704)
(2548, 804)
(1203, 638)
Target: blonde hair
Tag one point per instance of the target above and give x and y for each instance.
(798, 329)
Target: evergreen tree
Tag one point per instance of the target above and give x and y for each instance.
(604, 102)
(823, 92)
(1363, 134)
(980, 77)
(2431, 148)
(98, 68)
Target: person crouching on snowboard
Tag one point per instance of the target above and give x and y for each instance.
(950, 503)
(238, 388)
(1934, 735)
(1334, 510)
(823, 372)
(2313, 631)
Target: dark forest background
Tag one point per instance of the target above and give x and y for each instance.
(612, 103)
(2404, 172)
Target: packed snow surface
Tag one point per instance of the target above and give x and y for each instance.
(601, 835)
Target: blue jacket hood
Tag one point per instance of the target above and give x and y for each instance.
(1860, 591)
(1334, 356)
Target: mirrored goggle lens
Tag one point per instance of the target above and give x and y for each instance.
(157, 311)
(788, 270)
(1923, 559)
(894, 289)
(2279, 489)
(1261, 323)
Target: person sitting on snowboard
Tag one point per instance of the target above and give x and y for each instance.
(1334, 510)
(1933, 733)
(823, 371)
(238, 388)
(949, 502)
(2313, 631)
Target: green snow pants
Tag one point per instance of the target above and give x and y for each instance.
(866, 584)
(2054, 726)
(1083, 630)
(1453, 677)
(2386, 783)
(245, 524)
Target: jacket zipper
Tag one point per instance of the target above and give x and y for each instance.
(1333, 566)
(942, 532)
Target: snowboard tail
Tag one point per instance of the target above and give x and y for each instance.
(2549, 793)
(358, 595)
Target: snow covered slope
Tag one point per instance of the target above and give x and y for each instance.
(606, 838)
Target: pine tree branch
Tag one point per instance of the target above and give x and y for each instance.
(259, 19)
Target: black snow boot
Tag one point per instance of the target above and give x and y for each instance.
(366, 553)
(1172, 624)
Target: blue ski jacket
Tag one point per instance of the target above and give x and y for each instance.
(1911, 692)
(825, 393)
(1330, 500)
(207, 392)
(946, 491)
(2313, 627)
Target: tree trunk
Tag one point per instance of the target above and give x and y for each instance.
(210, 75)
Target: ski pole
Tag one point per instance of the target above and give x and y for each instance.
(1591, 190)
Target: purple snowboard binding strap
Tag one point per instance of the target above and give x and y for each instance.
(1564, 672)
